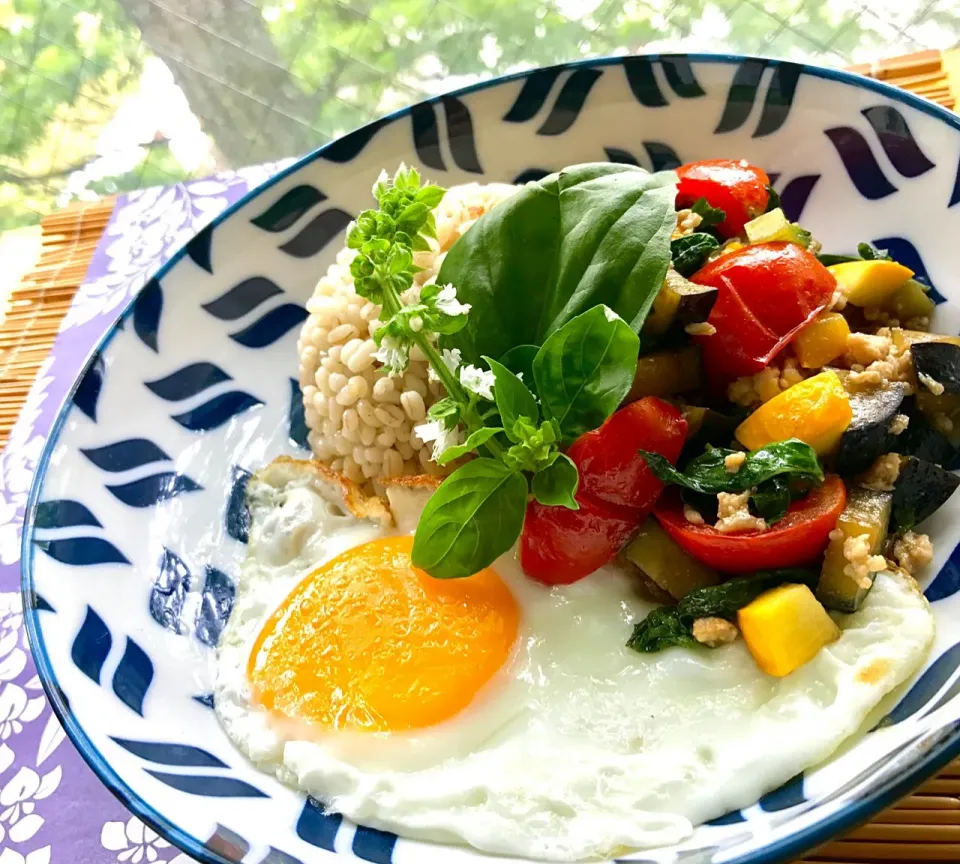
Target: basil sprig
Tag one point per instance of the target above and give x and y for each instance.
(547, 279)
(673, 625)
(582, 373)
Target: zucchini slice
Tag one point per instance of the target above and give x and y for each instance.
(666, 564)
(867, 512)
(678, 303)
(939, 362)
(868, 436)
(666, 373)
(921, 489)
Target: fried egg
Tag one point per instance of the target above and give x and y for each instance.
(499, 713)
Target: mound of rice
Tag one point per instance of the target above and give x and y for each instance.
(361, 420)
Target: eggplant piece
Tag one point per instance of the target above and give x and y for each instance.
(868, 436)
(667, 565)
(678, 303)
(938, 362)
(867, 512)
(666, 373)
(921, 489)
(942, 411)
(708, 426)
(923, 440)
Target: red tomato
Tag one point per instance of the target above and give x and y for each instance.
(611, 470)
(739, 189)
(616, 492)
(559, 546)
(796, 540)
(766, 293)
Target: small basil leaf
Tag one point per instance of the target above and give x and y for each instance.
(584, 370)
(690, 253)
(555, 485)
(447, 410)
(709, 216)
(829, 260)
(519, 360)
(773, 199)
(474, 440)
(474, 517)
(868, 252)
(708, 472)
(771, 499)
(513, 398)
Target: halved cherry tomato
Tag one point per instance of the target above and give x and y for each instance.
(733, 185)
(798, 539)
(610, 469)
(766, 293)
(559, 546)
(616, 493)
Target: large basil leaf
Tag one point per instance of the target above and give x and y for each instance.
(591, 234)
(708, 472)
(584, 370)
(474, 517)
(672, 625)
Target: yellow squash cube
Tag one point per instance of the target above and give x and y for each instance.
(816, 411)
(822, 340)
(786, 627)
(870, 283)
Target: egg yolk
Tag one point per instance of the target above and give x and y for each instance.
(369, 642)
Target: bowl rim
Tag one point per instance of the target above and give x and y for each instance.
(797, 843)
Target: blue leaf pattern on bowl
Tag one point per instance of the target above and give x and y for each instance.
(286, 210)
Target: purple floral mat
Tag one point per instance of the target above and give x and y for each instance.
(53, 808)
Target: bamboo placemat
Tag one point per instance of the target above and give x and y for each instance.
(38, 305)
(922, 828)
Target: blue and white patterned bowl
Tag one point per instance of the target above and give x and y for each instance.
(136, 519)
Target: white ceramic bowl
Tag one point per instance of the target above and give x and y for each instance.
(136, 520)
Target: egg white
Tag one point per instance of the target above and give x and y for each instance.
(580, 746)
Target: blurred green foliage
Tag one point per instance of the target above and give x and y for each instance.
(271, 78)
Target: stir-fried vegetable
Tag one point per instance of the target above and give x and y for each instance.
(797, 540)
(672, 625)
(786, 627)
(766, 294)
(740, 190)
(816, 411)
(617, 490)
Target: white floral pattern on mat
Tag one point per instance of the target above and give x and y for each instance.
(149, 228)
(133, 842)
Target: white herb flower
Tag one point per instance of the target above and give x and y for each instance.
(416, 323)
(610, 315)
(383, 178)
(441, 437)
(451, 359)
(478, 381)
(446, 302)
(393, 354)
